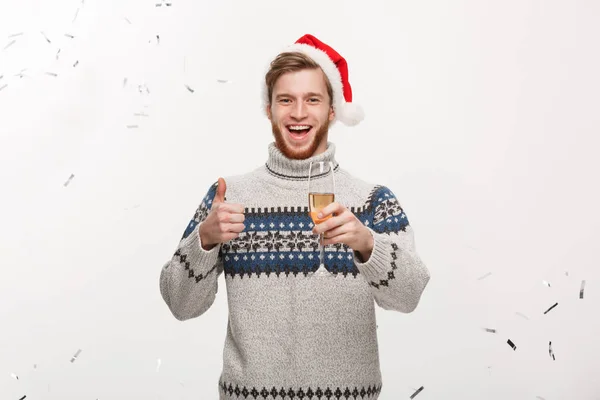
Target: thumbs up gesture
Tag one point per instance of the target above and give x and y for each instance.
(224, 221)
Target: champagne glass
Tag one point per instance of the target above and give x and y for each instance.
(321, 192)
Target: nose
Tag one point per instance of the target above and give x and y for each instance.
(299, 110)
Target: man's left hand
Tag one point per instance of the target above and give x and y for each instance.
(344, 227)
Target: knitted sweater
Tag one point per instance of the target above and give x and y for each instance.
(292, 335)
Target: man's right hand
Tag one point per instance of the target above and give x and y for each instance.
(224, 221)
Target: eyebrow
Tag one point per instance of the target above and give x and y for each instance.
(309, 94)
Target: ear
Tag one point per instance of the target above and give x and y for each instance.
(331, 113)
(268, 109)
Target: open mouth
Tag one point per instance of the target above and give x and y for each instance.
(299, 132)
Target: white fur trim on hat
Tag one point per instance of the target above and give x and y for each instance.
(348, 113)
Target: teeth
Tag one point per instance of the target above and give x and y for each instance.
(299, 127)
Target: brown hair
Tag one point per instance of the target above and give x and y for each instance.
(292, 62)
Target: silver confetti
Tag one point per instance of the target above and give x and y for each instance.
(3, 86)
(158, 362)
(69, 36)
(69, 180)
(546, 283)
(76, 355)
(581, 289)
(550, 351)
(57, 53)
(484, 276)
(15, 35)
(52, 74)
(490, 330)
(189, 88)
(222, 81)
(76, 63)
(124, 82)
(10, 44)
(540, 398)
(46, 37)
(567, 273)
(548, 310)
(14, 376)
(141, 114)
(132, 126)
(522, 315)
(127, 19)
(76, 14)
(23, 398)
(419, 390)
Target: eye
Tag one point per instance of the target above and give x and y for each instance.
(284, 100)
(314, 99)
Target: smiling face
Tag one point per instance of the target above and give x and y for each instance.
(300, 113)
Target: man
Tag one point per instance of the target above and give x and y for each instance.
(291, 334)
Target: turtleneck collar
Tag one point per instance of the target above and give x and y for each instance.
(286, 168)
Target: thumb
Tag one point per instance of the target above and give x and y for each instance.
(221, 188)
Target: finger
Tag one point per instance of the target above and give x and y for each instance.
(221, 189)
(330, 209)
(343, 238)
(234, 218)
(230, 208)
(235, 228)
(340, 230)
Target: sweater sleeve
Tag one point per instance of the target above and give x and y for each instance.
(395, 273)
(188, 282)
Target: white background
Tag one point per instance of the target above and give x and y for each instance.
(481, 116)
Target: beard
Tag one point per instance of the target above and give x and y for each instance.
(294, 154)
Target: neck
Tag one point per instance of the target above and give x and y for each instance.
(286, 168)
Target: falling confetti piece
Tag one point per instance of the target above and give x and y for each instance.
(522, 315)
(581, 290)
(158, 362)
(540, 398)
(550, 351)
(132, 126)
(52, 74)
(76, 355)
(124, 82)
(69, 36)
(34, 366)
(490, 330)
(127, 19)
(10, 44)
(548, 310)
(46, 37)
(511, 344)
(3, 86)
(546, 283)
(419, 390)
(484, 276)
(141, 114)
(23, 398)
(76, 14)
(15, 35)
(69, 180)
(157, 39)
(567, 273)
(14, 376)
(189, 88)
(222, 81)
(76, 63)
(57, 53)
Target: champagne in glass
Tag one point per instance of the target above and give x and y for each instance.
(321, 193)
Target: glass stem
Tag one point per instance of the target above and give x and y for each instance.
(322, 249)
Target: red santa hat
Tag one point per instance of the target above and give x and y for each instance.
(336, 69)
